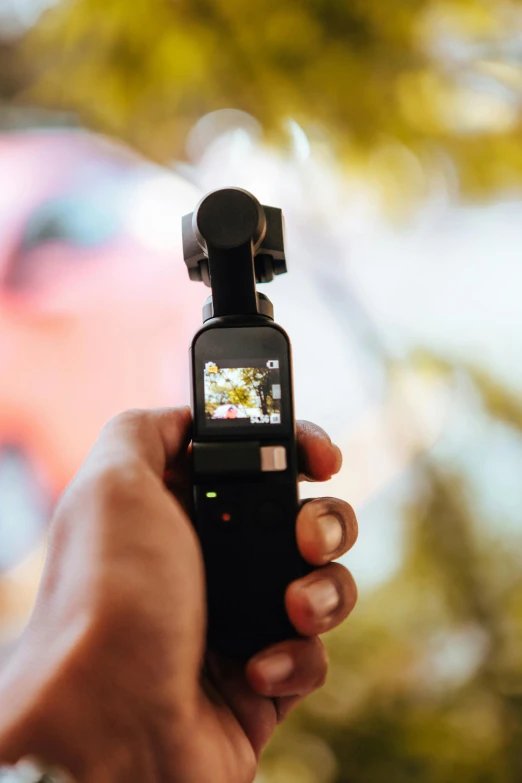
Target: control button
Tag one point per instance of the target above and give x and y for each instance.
(273, 458)
(237, 457)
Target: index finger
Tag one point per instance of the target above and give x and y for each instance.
(158, 436)
(155, 437)
(319, 459)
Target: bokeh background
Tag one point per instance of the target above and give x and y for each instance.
(391, 135)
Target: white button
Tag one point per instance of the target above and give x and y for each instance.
(273, 458)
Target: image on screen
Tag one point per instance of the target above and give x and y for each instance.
(248, 390)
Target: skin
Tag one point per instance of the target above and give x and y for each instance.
(111, 679)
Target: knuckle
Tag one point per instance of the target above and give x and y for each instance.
(129, 420)
(104, 493)
(129, 416)
(120, 482)
(105, 483)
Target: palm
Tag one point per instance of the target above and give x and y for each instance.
(226, 751)
(233, 723)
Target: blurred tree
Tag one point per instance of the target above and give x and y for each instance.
(246, 387)
(224, 388)
(258, 380)
(439, 78)
(426, 678)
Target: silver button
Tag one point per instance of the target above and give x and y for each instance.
(273, 458)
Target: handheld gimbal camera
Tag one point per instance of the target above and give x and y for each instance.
(244, 447)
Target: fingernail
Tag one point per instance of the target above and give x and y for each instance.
(339, 458)
(332, 531)
(276, 668)
(323, 597)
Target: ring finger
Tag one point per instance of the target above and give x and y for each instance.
(322, 600)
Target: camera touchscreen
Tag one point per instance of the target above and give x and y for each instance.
(247, 391)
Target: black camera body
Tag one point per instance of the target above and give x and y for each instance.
(244, 445)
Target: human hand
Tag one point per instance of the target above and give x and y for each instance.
(111, 678)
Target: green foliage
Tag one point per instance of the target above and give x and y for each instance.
(246, 387)
(426, 677)
(366, 75)
(220, 390)
(500, 402)
(258, 379)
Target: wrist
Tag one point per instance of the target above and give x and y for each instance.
(47, 713)
(66, 717)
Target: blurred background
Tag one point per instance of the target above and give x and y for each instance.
(391, 136)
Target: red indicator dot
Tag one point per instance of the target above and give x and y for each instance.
(226, 517)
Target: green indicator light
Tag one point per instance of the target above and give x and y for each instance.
(211, 494)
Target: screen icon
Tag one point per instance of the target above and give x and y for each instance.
(276, 391)
(273, 364)
(275, 418)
